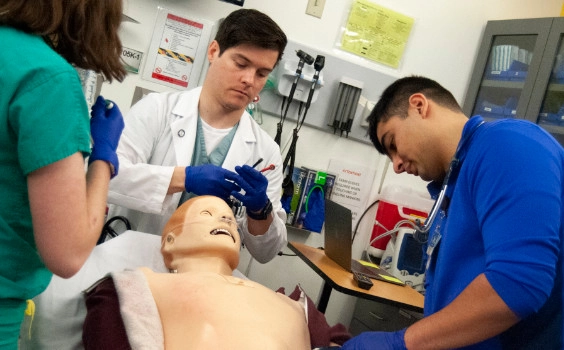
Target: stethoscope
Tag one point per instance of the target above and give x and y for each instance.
(422, 229)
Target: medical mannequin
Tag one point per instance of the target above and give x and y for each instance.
(211, 309)
(199, 303)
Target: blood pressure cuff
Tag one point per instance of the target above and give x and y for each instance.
(104, 327)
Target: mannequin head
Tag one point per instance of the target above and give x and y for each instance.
(202, 227)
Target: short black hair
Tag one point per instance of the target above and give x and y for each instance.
(395, 101)
(250, 26)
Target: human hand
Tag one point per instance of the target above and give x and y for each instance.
(255, 184)
(209, 179)
(106, 125)
(380, 340)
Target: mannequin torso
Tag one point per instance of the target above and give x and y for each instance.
(215, 311)
(201, 305)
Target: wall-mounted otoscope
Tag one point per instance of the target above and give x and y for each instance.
(318, 65)
(287, 183)
(304, 58)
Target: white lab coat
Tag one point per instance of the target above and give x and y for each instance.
(159, 135)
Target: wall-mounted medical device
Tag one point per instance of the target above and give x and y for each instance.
(305, 58)
(286, 78)
(273, 99)
(345, 105)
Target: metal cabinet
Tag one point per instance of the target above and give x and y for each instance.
(519, 73)
(372, 316)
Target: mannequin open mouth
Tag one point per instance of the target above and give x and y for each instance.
(222, 231)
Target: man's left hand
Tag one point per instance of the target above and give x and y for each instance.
(254, 183)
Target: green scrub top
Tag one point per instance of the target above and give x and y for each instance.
(43, 119)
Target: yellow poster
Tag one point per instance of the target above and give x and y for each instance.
(376, 33)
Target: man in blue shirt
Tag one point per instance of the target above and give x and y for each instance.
(494, 277)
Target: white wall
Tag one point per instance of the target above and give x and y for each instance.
(442, 46)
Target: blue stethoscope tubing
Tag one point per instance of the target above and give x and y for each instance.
(422, 229)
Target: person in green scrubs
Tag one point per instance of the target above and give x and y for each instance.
(52, 211)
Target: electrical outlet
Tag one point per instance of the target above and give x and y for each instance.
(315, 8)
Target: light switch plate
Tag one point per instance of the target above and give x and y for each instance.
(315, 7)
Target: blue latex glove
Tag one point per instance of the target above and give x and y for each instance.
(315, 215)
(209, 179)
(254, 183)
(286, 201)
(377, 340)
(106, 126)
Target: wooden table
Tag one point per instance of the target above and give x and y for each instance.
(336, 277)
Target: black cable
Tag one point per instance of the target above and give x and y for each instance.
(285, 254)
(287, 184)
(300, 120)
(364, 213)
(109, 232)
(280, 124)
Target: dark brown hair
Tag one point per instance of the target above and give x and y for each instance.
(249, 26)
(395, 102)
(84, 32)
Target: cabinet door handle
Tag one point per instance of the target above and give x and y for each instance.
(378, 317)
(405, 314)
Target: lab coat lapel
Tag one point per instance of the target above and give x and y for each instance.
(183, 125)
(243, 144)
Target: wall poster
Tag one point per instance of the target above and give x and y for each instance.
(376, 33)
(178, 50)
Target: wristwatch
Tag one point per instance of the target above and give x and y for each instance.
(262, 214)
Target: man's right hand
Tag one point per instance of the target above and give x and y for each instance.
(380, 340)
(209, 179)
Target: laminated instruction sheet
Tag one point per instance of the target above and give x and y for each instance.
(376, 33)
(178, 50)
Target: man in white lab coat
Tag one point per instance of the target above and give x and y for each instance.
(203, 142)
